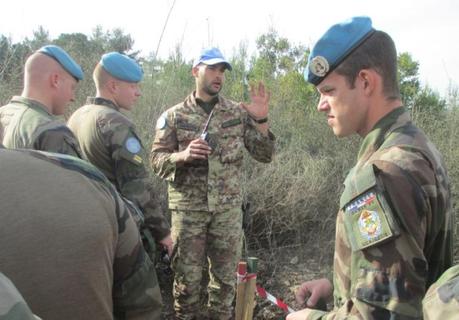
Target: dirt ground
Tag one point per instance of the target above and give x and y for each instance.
(280, 272)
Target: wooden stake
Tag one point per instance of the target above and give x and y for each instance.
(240, 291)
(250, 288)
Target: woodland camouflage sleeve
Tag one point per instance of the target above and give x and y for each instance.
(58, 139)
(442, 298)
(260, 147)
(164, 145)
(392, 276)
(133, 179)
(135, 287)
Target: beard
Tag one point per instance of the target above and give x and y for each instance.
(210, 91)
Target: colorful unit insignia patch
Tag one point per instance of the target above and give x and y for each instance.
(367, 221)
(369, 224)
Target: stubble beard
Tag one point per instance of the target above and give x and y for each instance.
(211, 92)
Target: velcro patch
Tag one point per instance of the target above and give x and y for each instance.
(230, 123)
(186, 126)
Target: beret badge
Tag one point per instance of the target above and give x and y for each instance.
(319, 66)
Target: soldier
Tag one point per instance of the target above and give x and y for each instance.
(29, 121)
(72, 255)
(108, 140)
(442, 299)
(12, 304)
(393, 229)
(198, 149)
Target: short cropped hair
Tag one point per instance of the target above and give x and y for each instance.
(100, 76)
(378, 53)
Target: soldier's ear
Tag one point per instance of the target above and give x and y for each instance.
(195, 71)
(112, 86)
(368, 80)
(54, 79)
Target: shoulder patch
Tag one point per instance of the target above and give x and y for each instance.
(369, 220)
(161, 123)
(133, 145)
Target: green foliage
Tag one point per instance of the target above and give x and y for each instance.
(423, 101)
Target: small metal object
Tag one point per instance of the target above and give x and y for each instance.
(205, 134)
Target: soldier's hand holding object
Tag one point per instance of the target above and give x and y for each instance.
(197, 149)
(168, 244)
(314, 291)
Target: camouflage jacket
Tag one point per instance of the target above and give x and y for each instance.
(442, 298)
(105, 271)
(394, 229)
(12, 304)
(27, 124)
(109, 141)
(215, 183)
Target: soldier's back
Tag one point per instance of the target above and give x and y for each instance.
(59, 234)
(95, 127)
(27, 124)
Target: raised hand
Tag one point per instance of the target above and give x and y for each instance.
(259, 105)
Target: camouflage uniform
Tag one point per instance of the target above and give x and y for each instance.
(394, 229)
(108, 140)
(105, 272)
(25, 123)
(442, 299)
(12, 304)
(205, 197)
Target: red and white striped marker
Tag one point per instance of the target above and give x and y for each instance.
(277, 302)
(243, 276)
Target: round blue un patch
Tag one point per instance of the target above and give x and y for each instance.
(133, 145)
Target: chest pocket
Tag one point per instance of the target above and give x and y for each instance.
(368, 218)
(231, 142)
(186, 132)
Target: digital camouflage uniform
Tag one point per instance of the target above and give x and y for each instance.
(394, 229)
(205, 197)
(442, 299)
(25, 123)
(108, 140)
(12, 304)
(105, 272)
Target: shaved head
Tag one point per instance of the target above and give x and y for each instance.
(38, 67)
(46, 81)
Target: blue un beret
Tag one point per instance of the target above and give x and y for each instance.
(211, 56)
(64, 59)
(121, 67)
(336, 45)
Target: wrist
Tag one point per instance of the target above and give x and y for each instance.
(259, 120)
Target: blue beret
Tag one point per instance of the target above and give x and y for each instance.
(211, 56)
(336, 45)
(122, 67)
(64, 59)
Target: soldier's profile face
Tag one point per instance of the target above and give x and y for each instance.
(343, 106)
(65, 94)
(127, 94)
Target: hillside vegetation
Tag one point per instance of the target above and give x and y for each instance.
(293, 200)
